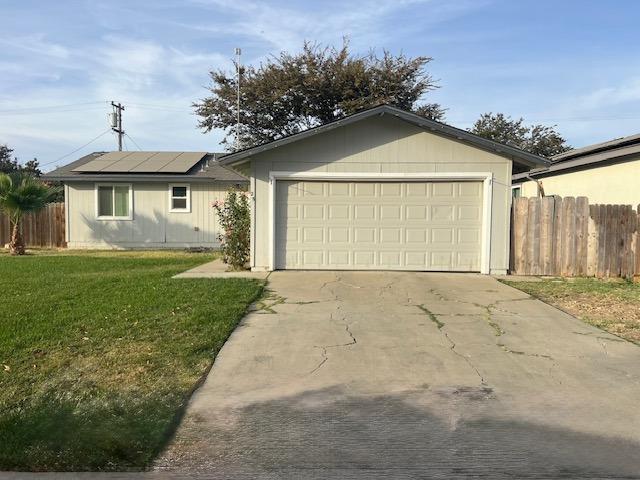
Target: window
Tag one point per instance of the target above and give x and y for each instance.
(179, 198)
(516, 191)
(113, 202)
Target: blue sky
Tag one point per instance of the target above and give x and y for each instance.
(575, 64)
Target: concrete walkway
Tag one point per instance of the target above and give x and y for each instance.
(412, 375)
(218, 269)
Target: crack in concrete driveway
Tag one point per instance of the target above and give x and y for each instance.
(420, 376)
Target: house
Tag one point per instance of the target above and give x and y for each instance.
(604, 173)
(143, 199)
(383, 189)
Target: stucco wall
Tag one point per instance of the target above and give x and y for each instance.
(616, 184)
(388, 145)
(153, 225)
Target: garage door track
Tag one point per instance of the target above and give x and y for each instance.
(412, 375)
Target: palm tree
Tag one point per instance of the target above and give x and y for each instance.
(19, 194)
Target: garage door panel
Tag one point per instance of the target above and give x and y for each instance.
(390, 259)
(339, 234)
(469, 212)
(369, 225)
(416, 212)
(340, 258)
(416, 260)
(443, 189)
(365, 189)
(363, 259)
(364, 212)
(390, 212)
(442, 236)
(339, 212)
(470, 189)
(441, 213)
(416, 235)
(391, 189)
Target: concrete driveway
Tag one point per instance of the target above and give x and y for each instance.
(412, 375)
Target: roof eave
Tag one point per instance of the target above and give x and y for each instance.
(138, 178)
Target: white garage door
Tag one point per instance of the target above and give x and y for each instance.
(378, 225)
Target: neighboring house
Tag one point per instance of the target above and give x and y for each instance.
(143, 199)
(604, 173)
(383, 189)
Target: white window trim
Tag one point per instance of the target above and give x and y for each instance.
(487, 196)
(171, 197)
(114, 217)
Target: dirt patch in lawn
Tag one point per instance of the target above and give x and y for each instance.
(606, 312)
(613, 306)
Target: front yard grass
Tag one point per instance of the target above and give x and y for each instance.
(612, 305)
(100, 351)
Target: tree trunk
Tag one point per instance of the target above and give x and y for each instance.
(16, 245)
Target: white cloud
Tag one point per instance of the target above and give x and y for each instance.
(38, 44)
(628, 91)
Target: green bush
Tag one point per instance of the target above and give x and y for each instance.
(235, 219)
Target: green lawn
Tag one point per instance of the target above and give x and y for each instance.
(99, 352)
(612, 305)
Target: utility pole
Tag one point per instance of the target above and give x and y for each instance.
(238, 53)
(116, 122)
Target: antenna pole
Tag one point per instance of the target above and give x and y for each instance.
(116, 125)
(238, 53)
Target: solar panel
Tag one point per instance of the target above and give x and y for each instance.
(127, 162)
(183, 162)
(143, 162)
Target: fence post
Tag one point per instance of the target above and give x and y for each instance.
(636, 216)
(547, 232)
(521, 208)
(582, 235)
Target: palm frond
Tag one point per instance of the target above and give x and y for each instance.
(21, 193)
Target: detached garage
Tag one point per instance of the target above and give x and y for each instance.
(383, 189)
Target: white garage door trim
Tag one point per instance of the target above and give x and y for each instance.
(485, 177)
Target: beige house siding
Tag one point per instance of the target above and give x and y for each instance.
(152, 226)
(615, 184)
(381, 145)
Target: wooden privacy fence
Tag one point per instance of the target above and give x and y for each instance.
(42, 229)
(569, 237)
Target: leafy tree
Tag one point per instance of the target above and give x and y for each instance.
(32, 167)
(290, 93)
(538, 139)
(8, 163)
(21, 193)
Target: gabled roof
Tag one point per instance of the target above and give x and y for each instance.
(517, 155)
(591, 156)
(205, 169)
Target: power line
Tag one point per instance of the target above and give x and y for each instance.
(134, 142)
(79, 148)
(49, 107)
(156, 105)
(49, 112)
